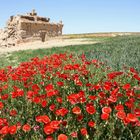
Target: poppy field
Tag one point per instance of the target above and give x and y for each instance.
(67, 96)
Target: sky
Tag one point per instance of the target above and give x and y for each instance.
(80, 16)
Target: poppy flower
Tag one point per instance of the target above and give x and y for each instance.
(107, 86)
(26, 128)
(64, 123)
(90, 109)
(12, 129)
(43, 119)
(36, 100)
(106, 110)
(137, 112)
(80, 117)
(48, 130)
(4, 130)
(126, 86)
(59, 83)
(62, 137)
(83, 131)
(119, 107)
(1, 105)
(55, 124)
(59, 100)
(18, 125)
(61, 112)
(74, 134)
(13, 112)
(52, 107)
(91, 123)
(76, 110)
(104, 116)
(121, 115)
(49, 138)
(101, 94)
(44, 103)
(4, 97)
(49, 87)
(132, 117)
(92, 97)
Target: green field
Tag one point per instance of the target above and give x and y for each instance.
(115, 51)
(72, 96)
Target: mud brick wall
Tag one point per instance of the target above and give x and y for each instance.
(29, 27)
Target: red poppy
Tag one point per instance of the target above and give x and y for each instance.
(26, 128)
(90, 109)
(18, 125)
(112, 99)
(13, 112)
(44, 103)
(91, 123)
(137, 112)
(137, 77)
(12, 129)
(104, 116)
(126, 86)
(55, 124)
(132, 117)
(106, 110)
(52, 93)
(48, 130)
(114, 92)
(35, 88)
(84, 131)
(80, 117)
(101, 94)
(49, 138)
(20, 92)
(61, 112)
(60, 83)
(49, 87)
(137, 123)
(62, 137)
(121, 115)
(119, 107)
(52, 107)
(1, 105)
(92, 97)
(36, 100)
(30, 94)
(133, 70)
(74, 134)
(43, 119)
(64, 123)
(4, 97)
(4, 130)
(59, 100)
(107, 86)
(76, 110)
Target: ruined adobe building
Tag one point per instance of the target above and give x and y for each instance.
(29, 27)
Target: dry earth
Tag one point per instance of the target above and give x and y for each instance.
(48, 44)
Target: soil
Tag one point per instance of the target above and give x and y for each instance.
(48, 44)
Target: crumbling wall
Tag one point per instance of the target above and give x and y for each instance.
(30, 27)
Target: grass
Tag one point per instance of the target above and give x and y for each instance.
(115, 51)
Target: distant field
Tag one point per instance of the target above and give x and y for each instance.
(98, 35)
(115, 51)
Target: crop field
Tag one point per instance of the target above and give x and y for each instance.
(80, 92)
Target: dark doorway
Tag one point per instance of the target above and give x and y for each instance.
(43, 35)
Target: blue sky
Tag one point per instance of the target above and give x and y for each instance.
(80, 16)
